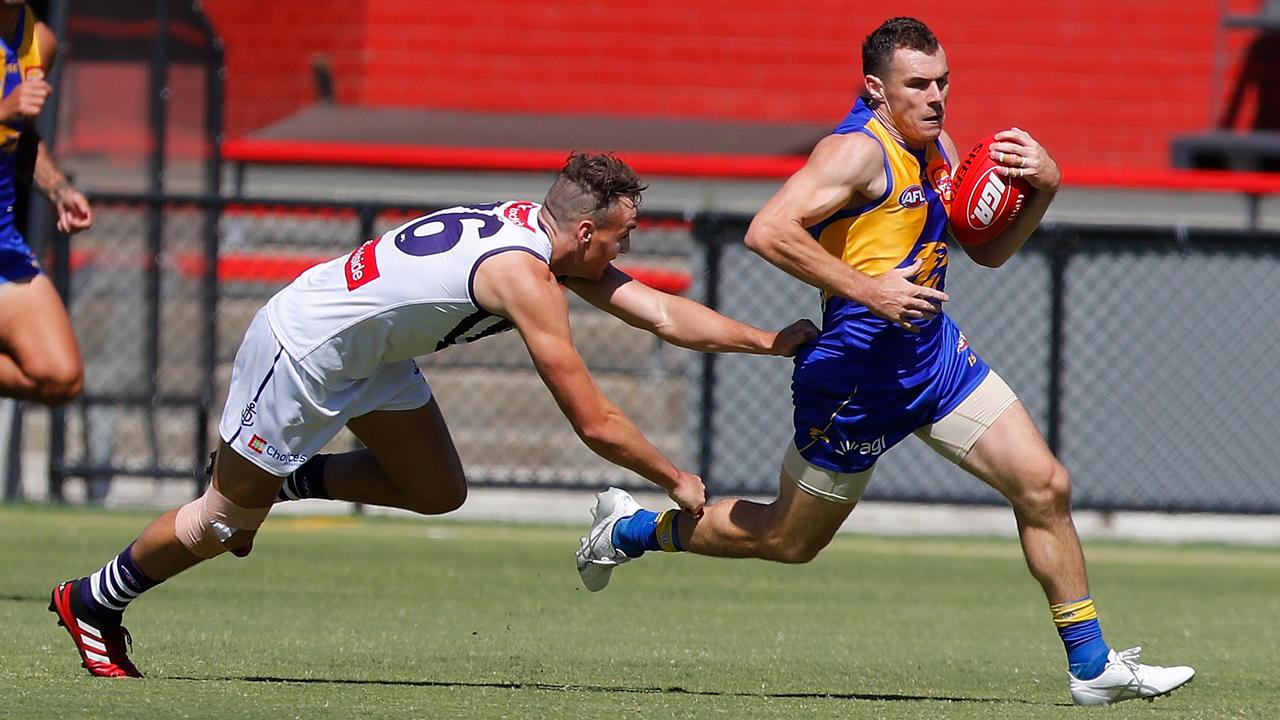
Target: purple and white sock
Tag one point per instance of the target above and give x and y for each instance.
(107, 592)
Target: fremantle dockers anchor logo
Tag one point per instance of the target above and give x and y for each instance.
(247, 415)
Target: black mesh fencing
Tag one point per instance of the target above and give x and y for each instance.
(1143, 354)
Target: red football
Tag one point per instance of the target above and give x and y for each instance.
(985, 202)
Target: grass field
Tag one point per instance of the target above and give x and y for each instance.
(387, 618)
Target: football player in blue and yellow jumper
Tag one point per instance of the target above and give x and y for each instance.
(39, 358)
(865, 222)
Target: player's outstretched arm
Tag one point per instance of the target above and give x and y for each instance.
(840, 170)
(1019, 156)
(683, 322)
(519, 287)
(69, 204)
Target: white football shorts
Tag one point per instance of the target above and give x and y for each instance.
(277, 416)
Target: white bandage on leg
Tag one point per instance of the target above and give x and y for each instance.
(204, 524)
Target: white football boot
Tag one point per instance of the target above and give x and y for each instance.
(1124, 678)
(597, 557)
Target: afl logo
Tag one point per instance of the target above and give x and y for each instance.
(912, 197)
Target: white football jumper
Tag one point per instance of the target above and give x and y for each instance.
(406, 294)
(339, 341)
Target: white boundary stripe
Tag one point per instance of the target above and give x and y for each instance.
(89, 629)
(90, 642)
(871, 517)
(97, 658)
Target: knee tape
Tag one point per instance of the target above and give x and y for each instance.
(204, 524)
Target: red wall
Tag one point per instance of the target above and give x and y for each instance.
(1100, 82)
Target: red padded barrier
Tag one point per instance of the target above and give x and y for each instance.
(680, 165)
(281, 269)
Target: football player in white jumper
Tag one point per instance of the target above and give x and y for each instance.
(337, 346)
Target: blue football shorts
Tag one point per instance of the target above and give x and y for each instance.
(17, 263)
(843, 427)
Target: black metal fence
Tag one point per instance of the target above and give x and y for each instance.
(1145, 354)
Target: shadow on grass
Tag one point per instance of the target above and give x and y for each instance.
(557, 687)
(42, 598)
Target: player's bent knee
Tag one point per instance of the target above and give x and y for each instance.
(58, 395)
(455, 499)
(443, 501)
(207, 525)
(794, 550)
(57, 386)
(1047, 494)
(791, 545)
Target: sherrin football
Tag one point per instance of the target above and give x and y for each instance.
(985, 202)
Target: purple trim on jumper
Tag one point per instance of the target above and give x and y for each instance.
(471, 279)
(816, 229)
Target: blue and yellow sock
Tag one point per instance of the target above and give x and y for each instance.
(668, 531)
(648, 530)
(1077, 623)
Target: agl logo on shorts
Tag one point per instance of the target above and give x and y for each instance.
(870, 447)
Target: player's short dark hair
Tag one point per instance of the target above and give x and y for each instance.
(589, 185)
(893, 35)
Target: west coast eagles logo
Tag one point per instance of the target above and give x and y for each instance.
(942, 181)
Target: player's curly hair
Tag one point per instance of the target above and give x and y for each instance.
(892, 35)
(589, 185)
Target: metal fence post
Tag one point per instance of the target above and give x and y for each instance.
(61, 277)
(709, 231)
(215, 77)
(1059, 255)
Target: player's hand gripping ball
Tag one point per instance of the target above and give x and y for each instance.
(985, 202)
